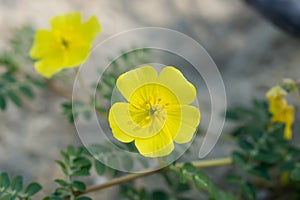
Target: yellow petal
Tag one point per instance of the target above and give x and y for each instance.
(156, 146)
(283, 114)
(47, 67)
(288, 131)
(173, 79)
(173, 120)
(90, 29)
(290, 114)
(277, 106)
(190, 120)
(54, 62)
(75, 55)
(67, 22)
(128, 82)
(121, 114)
(71, 29)
(117, 132)
(44, 44)
(276, 92)
(289, 120)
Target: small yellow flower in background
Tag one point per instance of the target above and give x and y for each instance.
(285, 178)
(280, 110)
(157, 112)
(66, 45)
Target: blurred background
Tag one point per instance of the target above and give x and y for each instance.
(251, 54)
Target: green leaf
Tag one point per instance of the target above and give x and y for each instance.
(87, 114)
(238, 113)
(127, 162)
(27, 91)
(267, 157)
(159, 194)
(239, 159)
(112, 171)
(37, 82)
(245, 145)
(2, 102)
(83, 198)
(221, 195)
(202, 181)
(260, 172)
(182, 187)
(82, 150)
(183, 175)
(190, 168)
(61, 192)
(82, 162)
(63, 167)
(110, 82)
(53, 198)
(286, 166)
(8, 60)
(9, 78)
(8, 197)
(66, 157)
(144, 162)
(235, 179)
(17, 183)
(67, 105)
(62, 183)
(85, 171)
(100, 167)
(249, 191)
(14, 98)
(4, 181)
(295, 174)
(113, 161)
(78, 186)
(32, 189)
(71, 150)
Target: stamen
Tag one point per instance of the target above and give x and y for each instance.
(65, 43)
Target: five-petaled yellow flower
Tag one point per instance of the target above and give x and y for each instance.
(157, 112)
(66, 45)
(280, 110)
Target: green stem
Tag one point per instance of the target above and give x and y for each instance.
(297, 92)
(130, 177)
(209, 163)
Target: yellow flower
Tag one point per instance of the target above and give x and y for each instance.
(280, 110)
(276, 92)
(157, 112)
(285, 178)
(66, 45)
(287, 117)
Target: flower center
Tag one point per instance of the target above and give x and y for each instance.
(157, 111)
(65, 43)
(149, 105)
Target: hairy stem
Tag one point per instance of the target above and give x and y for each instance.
(130, 177)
